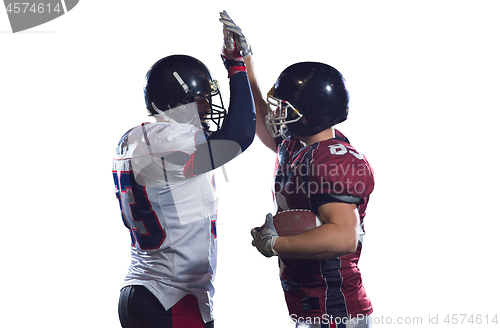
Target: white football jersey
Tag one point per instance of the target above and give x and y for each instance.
(170, 213)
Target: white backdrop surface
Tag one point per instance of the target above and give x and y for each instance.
(424, 83)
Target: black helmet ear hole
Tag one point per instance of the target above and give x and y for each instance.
(304, 119)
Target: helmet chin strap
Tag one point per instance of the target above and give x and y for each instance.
(285, 133)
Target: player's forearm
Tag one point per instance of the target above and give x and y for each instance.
(260, 106)
(239, 124)
(260, 103)
(324, 242)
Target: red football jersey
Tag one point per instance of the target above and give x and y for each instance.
(305, 178)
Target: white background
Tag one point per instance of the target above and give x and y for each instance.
(424, 82)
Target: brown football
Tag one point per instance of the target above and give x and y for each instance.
(292, 222)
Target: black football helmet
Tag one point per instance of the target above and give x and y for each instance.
(314, 91)
(179, 80)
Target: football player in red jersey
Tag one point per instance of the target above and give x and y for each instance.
(317, 169)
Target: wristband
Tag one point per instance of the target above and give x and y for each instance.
(234, 66)
(273, 241)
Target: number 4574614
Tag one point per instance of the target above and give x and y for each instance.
(36, 8)
(460, 319)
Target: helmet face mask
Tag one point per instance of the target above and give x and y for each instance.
(213, 119)
(279, 113)
(179, 80)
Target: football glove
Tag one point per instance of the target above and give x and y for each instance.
(264, 237)
(242, 46)
(233, 62)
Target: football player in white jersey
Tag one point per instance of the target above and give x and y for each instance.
(163, 173)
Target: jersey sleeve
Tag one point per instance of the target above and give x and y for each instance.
(339, 173)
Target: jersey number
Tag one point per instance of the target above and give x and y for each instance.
(339, 149)
(138, 216)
